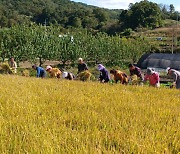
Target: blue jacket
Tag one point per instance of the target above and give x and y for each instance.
(40, 72)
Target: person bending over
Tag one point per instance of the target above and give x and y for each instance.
(135, 74)
(175, 75)
(104, 74)
(153, 77)
(41, 73)
(53, 72)
(119, 76)
(68, 76)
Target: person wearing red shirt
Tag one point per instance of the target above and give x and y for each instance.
(153, 78)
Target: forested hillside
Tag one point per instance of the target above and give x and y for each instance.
(67, 14)
(60, 12)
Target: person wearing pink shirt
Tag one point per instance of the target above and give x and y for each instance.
(153, 78)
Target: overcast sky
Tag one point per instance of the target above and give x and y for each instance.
(123, 4)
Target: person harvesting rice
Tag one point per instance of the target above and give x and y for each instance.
(53, 72)
(153, 77)
(81, 66)
(104, 74)
(13, 65)
(83, 74)
(68, 76)
(119, 76)
(135, 74)
(175, 75)
(41, 73)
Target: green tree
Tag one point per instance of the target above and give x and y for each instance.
(101, 15)
(165, 13)
(3, 21)
(89, 22)
(76, 22)
(171, 8)
(142, 14)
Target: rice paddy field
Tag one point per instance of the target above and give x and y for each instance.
(58, 116)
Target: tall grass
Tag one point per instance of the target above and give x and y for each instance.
(55, 116)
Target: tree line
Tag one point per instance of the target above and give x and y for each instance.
(29, 43)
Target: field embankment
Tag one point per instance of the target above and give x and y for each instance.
(51, 116)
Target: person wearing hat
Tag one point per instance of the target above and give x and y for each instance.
(135, 74)
(153, 77)
(83, 74)
(41, 73)
(119, 76)
(53, 72)
(175, 75)
(68, 76)
(81, 66)
(104, 74)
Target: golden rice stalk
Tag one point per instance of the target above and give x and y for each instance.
(84, 76)
(6, 68)
(25, 73)
(134, 80)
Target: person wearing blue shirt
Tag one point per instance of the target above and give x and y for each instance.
(41, 73)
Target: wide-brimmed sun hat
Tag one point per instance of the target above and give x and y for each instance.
(48, 67)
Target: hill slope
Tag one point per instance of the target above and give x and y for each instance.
(63, 12)
(164, 37)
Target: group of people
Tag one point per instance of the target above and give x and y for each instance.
(53, 72)
(56, 73)
(136, 76)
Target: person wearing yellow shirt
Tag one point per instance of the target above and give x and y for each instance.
(53, 72)
(119, 76)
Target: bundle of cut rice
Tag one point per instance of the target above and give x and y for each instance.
(84, 76)
(6, 68)
(134, 80)
(25, 73)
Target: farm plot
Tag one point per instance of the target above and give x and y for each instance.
(56, 116)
